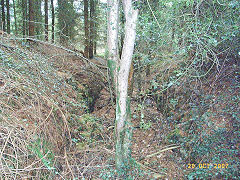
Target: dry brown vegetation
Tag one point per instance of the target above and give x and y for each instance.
(40, 112)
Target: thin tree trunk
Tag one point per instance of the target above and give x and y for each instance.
(38, 19)
(53, 21)
(95, 28)
(1, 19)
(15, 17)
(46, 19)
(3, 16)
(61, 21)
(95, 47)
(31, 18)
(123, 129)
(8, 16)
(86, 28)
(24, 25)
(112, 41)
(131, 80)
(91, 45)
(139, 74)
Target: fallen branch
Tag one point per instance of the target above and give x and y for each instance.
(163, 150)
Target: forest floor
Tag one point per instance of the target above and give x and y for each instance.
(47, 131)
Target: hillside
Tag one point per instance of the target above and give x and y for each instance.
(42, 110)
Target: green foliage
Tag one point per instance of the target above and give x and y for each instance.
(143, 124)
(200, 29)
(208, 142)
(42, 150)
(190, 39)
(89, 131)
(174, 136)
(129, 171)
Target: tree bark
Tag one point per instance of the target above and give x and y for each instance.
(122, 23)
(112, 39)
(8, 16)
(38, 18)
(31, 18)
(92, 19)
(61, 22)
(24, 13)
(53, 21)
(46, 19)
(95, 46)
(3, 16)
(123, 128)
(95, 28)
(15, 17)
(86, 28)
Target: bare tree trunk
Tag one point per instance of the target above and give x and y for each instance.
(86, 28)
(31, 18)
(3, 16)
(8, 16)
(38, 19)
(53, 21)
(91, 45)
(46, 19)
(123, 129)
(112, 41)
(131, 80)
(95, 26)
(62, 22)
(120, 71)
(95, 46)
(24, 13)
(15, 17)
(1, 19)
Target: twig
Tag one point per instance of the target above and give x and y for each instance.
(66, 159)
(163, 150)
(148, 168)
(5, 144)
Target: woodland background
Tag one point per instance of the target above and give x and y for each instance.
(57, 108)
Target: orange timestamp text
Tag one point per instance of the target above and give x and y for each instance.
(207, 165)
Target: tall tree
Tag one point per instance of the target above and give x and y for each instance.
(62, 22)
(123, 129)
(86, 29)
(24, 17)
(8, 16)
(92, 28)
(3, 16)
(15, 17)
(53, 20)
(95, 26)
(46, 19)
(38, 19)
(31, 18)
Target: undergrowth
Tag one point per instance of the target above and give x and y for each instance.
(35, 108)
(209, 136)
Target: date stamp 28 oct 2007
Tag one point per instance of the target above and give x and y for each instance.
(207, 165)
